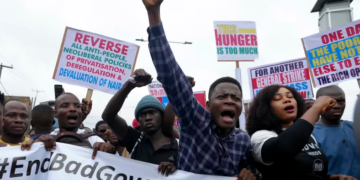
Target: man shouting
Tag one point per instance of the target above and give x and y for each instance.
(209, 142)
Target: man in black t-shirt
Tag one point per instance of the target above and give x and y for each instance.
(100, 129)
(152, 145)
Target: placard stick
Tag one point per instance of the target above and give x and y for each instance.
(237, 64)
(88, 97)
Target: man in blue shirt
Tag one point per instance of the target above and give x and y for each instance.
(56, 124)
(336, 137)
(42, 120)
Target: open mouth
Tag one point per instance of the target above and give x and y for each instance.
(228, 115)
(72, 118)
(289, 108)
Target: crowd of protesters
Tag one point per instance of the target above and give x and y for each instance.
(286, 136)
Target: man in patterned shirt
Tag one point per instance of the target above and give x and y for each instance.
(209, 142)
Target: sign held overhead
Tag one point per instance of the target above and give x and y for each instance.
(94, 61)
(293, 73)
(236, 40)
(333, 55)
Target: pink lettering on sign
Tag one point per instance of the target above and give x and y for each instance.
(101, 43)
(351, 31)
(159, 92)
(332, 37)
(235, 39)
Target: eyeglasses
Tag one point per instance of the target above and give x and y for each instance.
(102, 130)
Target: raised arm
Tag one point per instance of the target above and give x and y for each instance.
(169, 118)
(173, 79)
(168, 122)
(110, 114)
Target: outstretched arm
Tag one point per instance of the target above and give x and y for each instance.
(173, 79)
(168, 122)
(110, 114)
(169, 118)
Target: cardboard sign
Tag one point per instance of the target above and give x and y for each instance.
(293, 73)
(200, 96)
(156, 89)
(333, 55)
(94, 61)
(236, 40)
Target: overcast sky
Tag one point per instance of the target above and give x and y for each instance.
(31, 34)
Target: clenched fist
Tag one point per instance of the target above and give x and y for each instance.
(150, 4)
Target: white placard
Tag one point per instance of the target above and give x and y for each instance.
(293, 73)
(94, 61)
(236, 40)
(333, 55)
(156, 89)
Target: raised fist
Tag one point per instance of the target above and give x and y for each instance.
(149, 4)
(141, 78)
(323, 103)
(191, 80)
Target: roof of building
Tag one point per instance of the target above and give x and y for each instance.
(320, 4)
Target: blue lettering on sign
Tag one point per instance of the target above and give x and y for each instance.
(257, 91)
(165, 101)
(78, 76)
(300, 86)
(114, 85)
(342, 49)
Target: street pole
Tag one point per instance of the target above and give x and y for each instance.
(37, 91)
(3, 66)
(174, 42)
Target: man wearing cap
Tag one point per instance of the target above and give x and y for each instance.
(166, 125)
(151, 145)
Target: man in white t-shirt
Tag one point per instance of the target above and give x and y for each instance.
(92, 139)
(69, 114)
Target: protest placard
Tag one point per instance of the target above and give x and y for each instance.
(293, 73)
(156, 90)
(94, 61)
(333, 55)
(74, 162)
(200, 96)
(236, 40)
